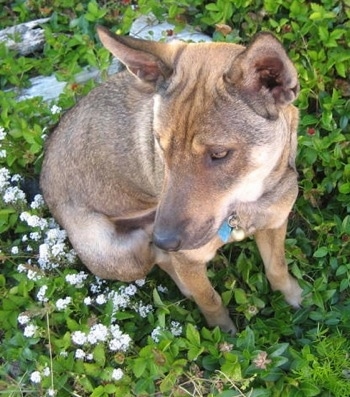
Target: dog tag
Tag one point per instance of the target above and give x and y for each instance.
(238, 234)
(225, 232)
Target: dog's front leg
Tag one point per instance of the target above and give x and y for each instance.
(191, 278)
(271, 246)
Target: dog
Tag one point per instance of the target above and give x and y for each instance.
(191, 147)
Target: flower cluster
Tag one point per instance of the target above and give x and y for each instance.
(9, 189)
(2, 137)
(54, 249)
(47, 251)
(113, 338)
(175, 329)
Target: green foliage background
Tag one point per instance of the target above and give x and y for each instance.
(307, 350)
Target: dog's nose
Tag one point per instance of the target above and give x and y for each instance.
(171, 242)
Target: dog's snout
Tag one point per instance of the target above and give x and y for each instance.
(167, 242)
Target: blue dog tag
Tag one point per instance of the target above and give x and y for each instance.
(225, 232)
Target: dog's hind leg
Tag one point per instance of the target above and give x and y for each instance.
(125, 255)
(271, 246)
(191, 278)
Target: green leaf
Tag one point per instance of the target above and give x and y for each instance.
(321, 252)
(212, 7)
(318, 299)
(277, 350)
(145, 386)
(344, 188)
(139, 366)
(193, 335)
(232, 371)
(157, 299)
(260, 393)
(309, 389)
(91, 369)
(110, 388)
(246, 339)
(168, 382)
(99, 354)
(194, 352)
(240, 296)
(98, 391)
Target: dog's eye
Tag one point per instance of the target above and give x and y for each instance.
(219, 155)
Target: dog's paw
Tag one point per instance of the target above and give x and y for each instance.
(293, 295)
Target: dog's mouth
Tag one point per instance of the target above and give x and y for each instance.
(182, 236)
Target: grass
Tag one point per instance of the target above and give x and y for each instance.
(64, 332)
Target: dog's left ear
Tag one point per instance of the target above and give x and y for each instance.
(264, 76)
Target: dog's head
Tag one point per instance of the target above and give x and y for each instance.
(221, 123)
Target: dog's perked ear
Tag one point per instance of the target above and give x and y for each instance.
(145, 59)
(264, 76)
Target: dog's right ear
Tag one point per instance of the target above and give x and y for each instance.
(145, 59)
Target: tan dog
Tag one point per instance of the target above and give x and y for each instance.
(192, 147)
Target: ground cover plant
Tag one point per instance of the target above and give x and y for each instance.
(63, 332)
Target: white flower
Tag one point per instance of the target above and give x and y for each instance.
(33, 275)
(16, 178)
(3, 153)
(143, 310)
(77, 279)
(115, 331)
(21, 268)
(44, 254)
(79, 338)
(30, 330)
(57, 249)
(117, 374)
(89, 357)
(33, 220)
(38, 202)
(4, 178)
(176, 328)
(98, 333)
(14, 250)
(55, 234)
(51, 392)
(41, 294)
(120, 301)
(130, 290)
(87, 301)
(98, 286)
(46, 371)
(2, 133)
(13, 194)
(36, 236)
(23, 319)
(35, 377)
(101, 299)
(141, 282)
(62, 304)
(56, 109)
(162, 289)
(70, 256)
(80, 354)
(120, 344)
(120, 341)
(156, 334)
